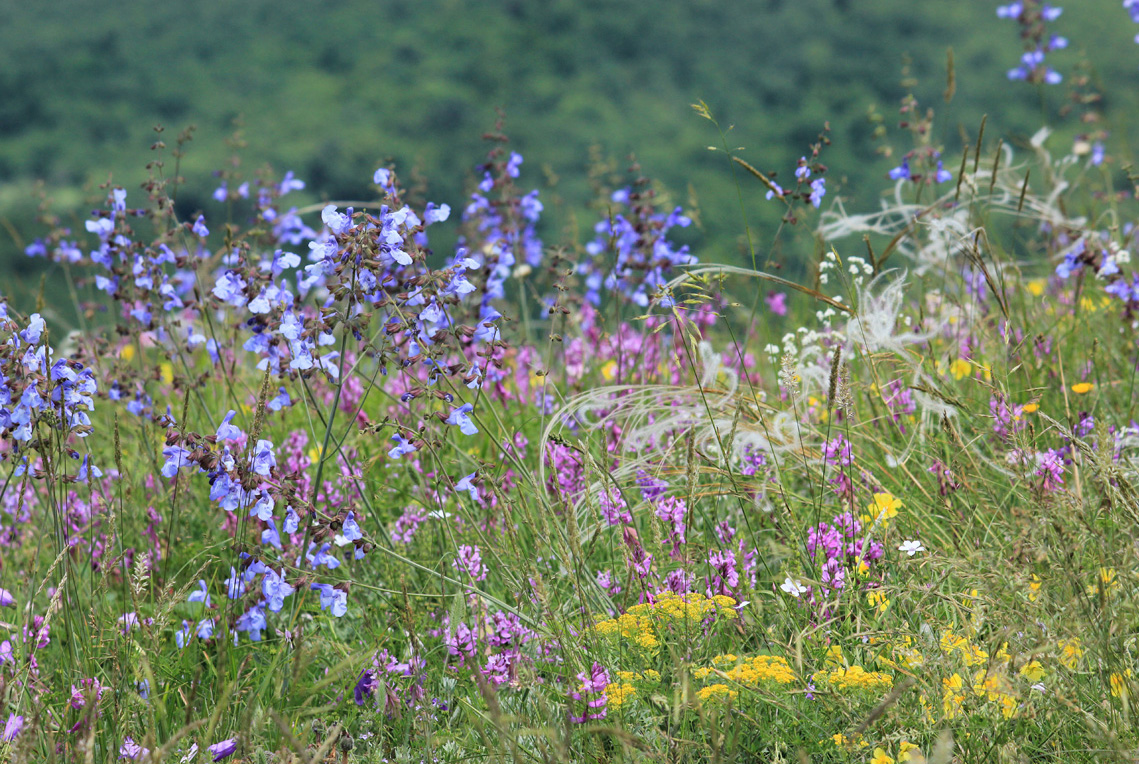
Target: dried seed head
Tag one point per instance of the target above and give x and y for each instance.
(789, 379)
(832, 385)
(845, 394)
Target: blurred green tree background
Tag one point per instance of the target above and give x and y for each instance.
(332, 89)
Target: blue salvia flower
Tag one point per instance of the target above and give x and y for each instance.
(1032, 18)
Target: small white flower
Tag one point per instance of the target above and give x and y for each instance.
(911, 548)
(792, 587)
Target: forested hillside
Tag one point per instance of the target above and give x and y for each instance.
(330, 89)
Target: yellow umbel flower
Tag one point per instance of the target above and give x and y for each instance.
(751, 672)
(618, 694)
(856, 679)
(716, 692)
(643, 625)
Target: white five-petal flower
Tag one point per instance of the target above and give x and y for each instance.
(911, 548)
(792, 587)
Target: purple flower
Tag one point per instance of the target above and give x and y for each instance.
(943, 174)
(263, 459)
(651, 488)
(435, 214)
(132, 750)
(176, 457)
(275, 589)
(6, 598)
(290, 183)
(464, 484)
(1051, 469)
(726, 578)
(469, 561)
(613, 507)
(223, 749)
(337, 222)
(674, 512)
(592, 690)
(35, 329)
(12, 728)
(513, 164)
(252, 622)
(227, 431)
(402, 447)
(459, 417)
(901, 172)
(351, 529)
(366, 685)
(818, 191)
(199, 227)
(331, 597)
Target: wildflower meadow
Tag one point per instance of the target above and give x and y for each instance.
(296, 486)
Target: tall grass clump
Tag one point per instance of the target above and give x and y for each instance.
(298, 488)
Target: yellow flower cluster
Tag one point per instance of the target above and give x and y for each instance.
(1034, 588)
(855, 679)
(648, 675)
(996, 689)
(952, 696)
(1071, 650)
(716, 692)
(641, 624)
(1120, 684)
(1107, 582)
(636, 629)
(907, 752)
(844, 741)
(877, 599)
(971, 654)
(904, 655)
(751, 671)
(623, 690)
(619, 693)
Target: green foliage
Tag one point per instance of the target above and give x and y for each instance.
(331, 89)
